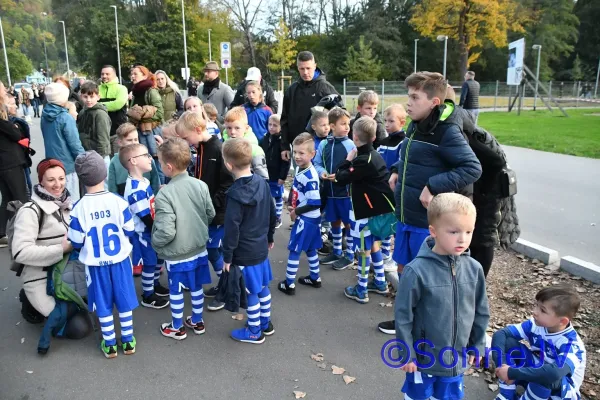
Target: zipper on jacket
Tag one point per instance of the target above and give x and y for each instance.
(404, 175)
(454, 309)
(331, 167)
(199, 158)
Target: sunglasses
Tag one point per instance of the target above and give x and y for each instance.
(148, 155)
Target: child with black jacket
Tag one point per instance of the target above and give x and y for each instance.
(277, 167)
(366, 172)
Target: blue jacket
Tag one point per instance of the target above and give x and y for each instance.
(258, 118)
(389, 148)
(249, 221)
(330, 154)
(318, 141)
(61, 138)
(434, 154)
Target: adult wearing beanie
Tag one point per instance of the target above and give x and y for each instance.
(61, 138)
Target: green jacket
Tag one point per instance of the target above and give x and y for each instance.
(259, 162)
(171, 101)
(113, 95)
(93, 125)
(151, 98)
(117, 177)
(183, 211)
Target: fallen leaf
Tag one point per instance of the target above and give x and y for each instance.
(29, 372)
(469, 372)
(295, 380)
(475, 374)
(17, 324)
(581, 290)
(22, 340)
(317, 357)
(493, 387)
(348, 379)
(238, 317)
(299, 395)
(322, 365)
(592, 393)
(4, 289)
(337, 370)
(390, 304)
(381, 304)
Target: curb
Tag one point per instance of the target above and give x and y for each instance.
(533, 250)
(584, 269)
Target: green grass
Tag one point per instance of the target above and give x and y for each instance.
(577, 135)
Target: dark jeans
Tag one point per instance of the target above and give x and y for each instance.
(484, 255)
(12, 187)
(35, 103)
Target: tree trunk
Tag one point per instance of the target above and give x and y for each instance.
(463, 39)
(251, 46)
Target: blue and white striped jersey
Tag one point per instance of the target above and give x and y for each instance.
(306, 188)
(141, 202)
(100, 224)
(560, 347)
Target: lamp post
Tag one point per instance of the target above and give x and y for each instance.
(5, 55)
(444, 38)
(184, 42)
(118, 47)
(45, 51)
(537, 47)
(209, 47)
(597, 76)
(416, 41)
(66, 49)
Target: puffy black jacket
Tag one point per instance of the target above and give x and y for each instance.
(210, 168)
(299, 98)
(278, 169)
(268, 94)
(380, 134)
(469, 95)
(11, 152)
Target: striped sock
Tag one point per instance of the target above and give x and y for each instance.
(386, 246)
(507, 392)
(126, 320)
(197, 305)
(215, 256)
(148, 272)
(313, 264)
(363, 272)
(377, 259)
(176, 309)
(265, 307)
(292, 268)
(535, 391)
(253, 312)
(349, 246)
(278, 206)
(157, 274)
(107, 325)
(336, 232)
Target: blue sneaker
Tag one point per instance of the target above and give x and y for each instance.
(352, 292)
(246, 336)
(380, 288)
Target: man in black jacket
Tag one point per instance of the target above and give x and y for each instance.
(299, 98)
(254, 74)
(469, 95)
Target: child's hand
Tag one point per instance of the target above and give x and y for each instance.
(280, 181)
(426, 197)
(410, 367)
(271, 245)
(325, 176)
(66, 245)
(293, 214)
(130, 96)
(226, 267)
(159, 140)
(351, 155)
(502, 373)
(331, 177)
(393, 180)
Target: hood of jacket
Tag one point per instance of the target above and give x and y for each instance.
(319, 76)
(247, 190)
(53, 111)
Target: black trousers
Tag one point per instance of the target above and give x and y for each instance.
(484, 255)
(12, 187)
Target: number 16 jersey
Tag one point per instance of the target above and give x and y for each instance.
(100, 226)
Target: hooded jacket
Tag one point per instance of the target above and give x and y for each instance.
(210, 168)
(299, 98)
(11, 152)
(171, 101)
(61, 138)
(258, 118)
(259, 164)
(268, 95)
(278, 169)
(114, 96)
(332, 152)
(433, 154)
(94, 129)
(389, 148)
(249, 222)
(441, 302)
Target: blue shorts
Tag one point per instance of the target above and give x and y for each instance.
(305, 235)
(215, 236)
(191, 273)
(338, 208)
(256, 277)
(421, 386)
(276, 189)
(408, 242)
(143, 253)
(110, 285)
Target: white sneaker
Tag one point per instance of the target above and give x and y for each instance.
(3, 241)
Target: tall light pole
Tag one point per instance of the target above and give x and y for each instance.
(416, 41)
(537, 47)
(186, 74)
(5, 55)
(209, 47)
(597, 76)
(43, 14)
(118, 49)
(66, 50)
(444, 38)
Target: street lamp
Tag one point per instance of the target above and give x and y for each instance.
(537, 47)
(186, 74)
(416, 40)
(118, 49)
(5, 55)
(66, 50)
(444, 38)
(209, 47)
(44, 14)
(597, 76)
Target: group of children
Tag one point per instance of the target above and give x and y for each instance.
(225, 211)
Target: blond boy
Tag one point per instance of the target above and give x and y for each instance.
(368, 101)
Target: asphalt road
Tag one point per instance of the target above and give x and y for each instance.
(213, 365)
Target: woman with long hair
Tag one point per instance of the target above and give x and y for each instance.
(169, 93)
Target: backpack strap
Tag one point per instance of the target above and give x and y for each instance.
(40, 213)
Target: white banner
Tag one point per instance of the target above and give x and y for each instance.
(516, 54)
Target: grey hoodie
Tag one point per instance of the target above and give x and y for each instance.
(442, 300)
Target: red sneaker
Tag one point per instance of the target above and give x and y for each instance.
(137, 270)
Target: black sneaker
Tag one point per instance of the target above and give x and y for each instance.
(342, 264)
(289, 290)
(269, 331)
(387, 327)
(326, 249)
(330, 259)
(278, 223)
(212, 292)
(308, 281)
(154, 301)
(160, 290)
(215, 305)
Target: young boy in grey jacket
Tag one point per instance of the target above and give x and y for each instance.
(441, 304)
(183, 211)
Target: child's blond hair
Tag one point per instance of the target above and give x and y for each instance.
(190, 121)
(276, 118)
(126, 152)
(365, 129)
(304, 138)
(447, 203)
(395, 109)
(238, 153)
(125, 129)
(368, 96)
(211, 111)
(175, 151)
(236, 114)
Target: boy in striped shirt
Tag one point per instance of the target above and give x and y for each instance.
(138, 193)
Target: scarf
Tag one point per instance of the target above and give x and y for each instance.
(210, 85)
(141, 87)
(63, 202)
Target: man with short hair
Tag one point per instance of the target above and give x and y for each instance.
(469, 95)
(254, 74)
(213, 91)
(299, 98)
(114, 96)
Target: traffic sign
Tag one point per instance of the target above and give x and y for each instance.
(225, 55)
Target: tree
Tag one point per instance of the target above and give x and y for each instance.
(283, 51)
(470, 22)
(361, 64)
(19, 65)
(576, 72)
